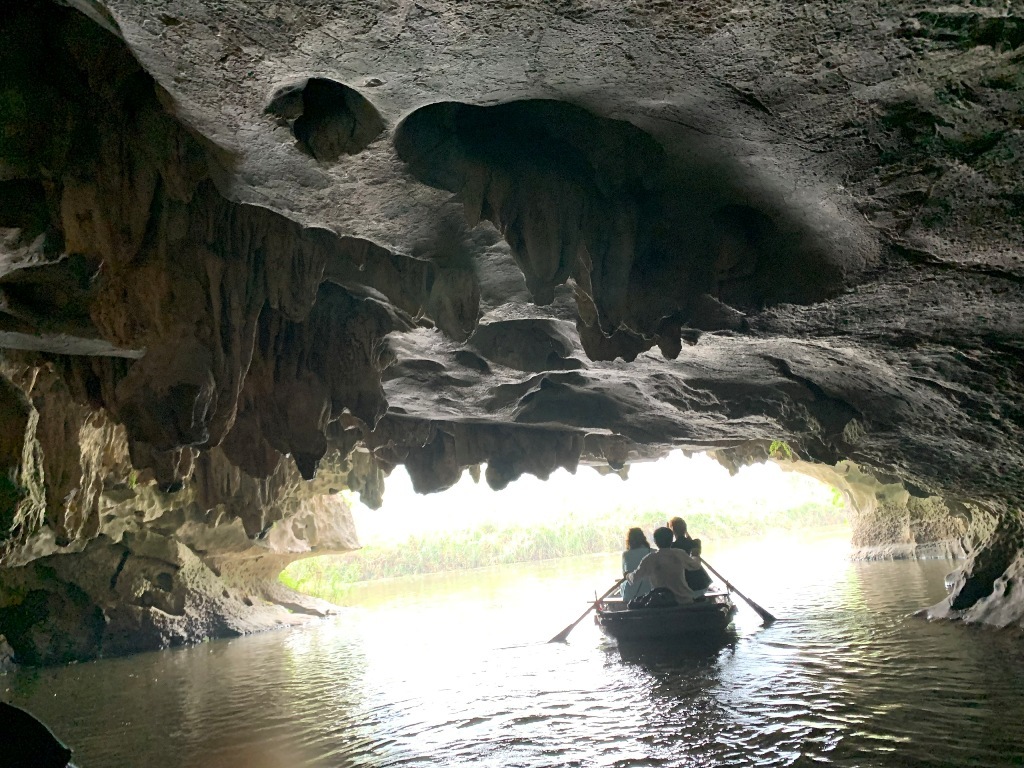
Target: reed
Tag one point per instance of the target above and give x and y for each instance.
(562, 536)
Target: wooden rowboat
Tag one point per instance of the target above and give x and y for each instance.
(706, 617)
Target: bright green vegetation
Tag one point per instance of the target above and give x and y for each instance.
(564, 536)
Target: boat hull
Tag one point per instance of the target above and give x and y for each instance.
(707, 618)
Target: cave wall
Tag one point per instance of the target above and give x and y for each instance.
(249, 259)
(119, 563)
(890, 521)
(915, 528)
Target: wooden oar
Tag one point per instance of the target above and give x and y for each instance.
(561, 636)
(765, 616)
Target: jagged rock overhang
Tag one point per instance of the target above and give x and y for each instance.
(289, 275)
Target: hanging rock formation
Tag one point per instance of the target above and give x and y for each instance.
(255, 256)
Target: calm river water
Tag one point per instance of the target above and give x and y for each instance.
(455, 671)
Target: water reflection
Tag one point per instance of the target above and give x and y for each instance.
(669, 655)
(457, 672)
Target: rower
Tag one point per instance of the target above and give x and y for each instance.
(696, 578)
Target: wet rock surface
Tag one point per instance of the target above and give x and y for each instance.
(251, 258)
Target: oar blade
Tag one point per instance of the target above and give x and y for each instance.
(766, 617)
(562, 636)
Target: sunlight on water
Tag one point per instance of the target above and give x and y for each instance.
(456, 670)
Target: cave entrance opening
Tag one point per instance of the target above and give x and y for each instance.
(569, 518)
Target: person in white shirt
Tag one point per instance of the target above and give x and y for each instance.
(666, 568)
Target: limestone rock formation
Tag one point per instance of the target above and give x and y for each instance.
(252, 256)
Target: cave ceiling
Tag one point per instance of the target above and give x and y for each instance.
(525, 234)
(254, 254)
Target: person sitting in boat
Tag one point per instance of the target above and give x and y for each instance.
(666, 572)
(697, 578)
(637, 549)
(682, 537)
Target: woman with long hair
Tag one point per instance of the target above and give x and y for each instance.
(637, 548)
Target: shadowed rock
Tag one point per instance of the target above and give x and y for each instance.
(646, 233)
(328, 119)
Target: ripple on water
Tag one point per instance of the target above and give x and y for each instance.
(846, 678)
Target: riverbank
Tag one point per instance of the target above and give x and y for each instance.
(325, 583)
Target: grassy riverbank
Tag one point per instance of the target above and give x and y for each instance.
(566, 535)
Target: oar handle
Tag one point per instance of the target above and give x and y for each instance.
(593, 605)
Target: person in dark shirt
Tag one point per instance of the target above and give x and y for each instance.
(696, 579)
(682, 537)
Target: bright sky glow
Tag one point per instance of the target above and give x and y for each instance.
(675, 483)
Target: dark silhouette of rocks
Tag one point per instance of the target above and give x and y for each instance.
(27, 743)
